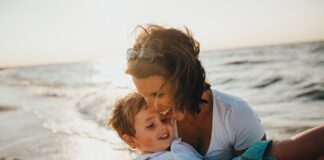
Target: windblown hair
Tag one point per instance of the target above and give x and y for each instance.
(180, 65)
(124, 112)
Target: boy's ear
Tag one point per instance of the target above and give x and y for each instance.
(129, 140)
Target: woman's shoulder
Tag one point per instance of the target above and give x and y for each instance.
(240, 123)
(228, 101)
(231, 109)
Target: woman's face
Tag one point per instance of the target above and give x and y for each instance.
(157, 94)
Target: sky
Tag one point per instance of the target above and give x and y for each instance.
(35, 32)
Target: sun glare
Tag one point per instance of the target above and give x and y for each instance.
(112, 70)
(83, 149)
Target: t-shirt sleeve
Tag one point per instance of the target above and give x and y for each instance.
(245, 125)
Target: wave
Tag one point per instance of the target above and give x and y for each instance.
(268, 81)
(313, 85)
(239, 62)
(319, 49)
(313, 94)
(97, 104)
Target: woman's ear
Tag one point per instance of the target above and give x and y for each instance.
(129, 140)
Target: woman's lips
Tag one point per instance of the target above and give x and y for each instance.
(165, 111)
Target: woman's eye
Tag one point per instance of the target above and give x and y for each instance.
(155, 95)
(160, 94)
(165, 120)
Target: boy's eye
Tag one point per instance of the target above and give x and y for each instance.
(150, 126)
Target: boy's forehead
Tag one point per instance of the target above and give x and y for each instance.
(144, 114)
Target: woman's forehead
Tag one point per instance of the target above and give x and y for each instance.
(148, 85)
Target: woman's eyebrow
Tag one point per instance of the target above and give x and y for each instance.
(160, 89)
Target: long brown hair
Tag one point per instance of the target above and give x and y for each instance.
(179, 65)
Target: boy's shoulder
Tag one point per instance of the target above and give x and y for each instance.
(179, 150)
(163, 155)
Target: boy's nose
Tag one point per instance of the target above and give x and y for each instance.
(162, 126)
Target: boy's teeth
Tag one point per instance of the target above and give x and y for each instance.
(164, 135)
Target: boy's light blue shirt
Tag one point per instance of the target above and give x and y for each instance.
(179, 151)
(183, 151)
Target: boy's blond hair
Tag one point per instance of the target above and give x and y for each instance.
(123, 113)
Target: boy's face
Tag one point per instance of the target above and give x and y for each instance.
(153, 133)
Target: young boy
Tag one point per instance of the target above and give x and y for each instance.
(146, 131)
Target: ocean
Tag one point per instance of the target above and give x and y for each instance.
(58, 111)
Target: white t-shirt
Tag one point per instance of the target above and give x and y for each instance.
(178, 151)
(235, 126)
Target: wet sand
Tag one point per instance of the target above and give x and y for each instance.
(5, 108)
(28, 134)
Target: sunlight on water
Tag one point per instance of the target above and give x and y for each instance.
(112, 70)
(84, 149)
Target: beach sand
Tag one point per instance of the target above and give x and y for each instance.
(29, 133)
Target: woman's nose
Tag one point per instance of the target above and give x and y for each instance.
(150, 104)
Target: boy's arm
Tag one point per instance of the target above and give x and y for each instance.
(184, 151)
(306, 145)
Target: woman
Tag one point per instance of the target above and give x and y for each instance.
(165, 69)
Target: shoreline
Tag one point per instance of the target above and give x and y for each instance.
(37, 128)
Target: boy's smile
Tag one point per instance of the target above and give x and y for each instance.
(164, 135)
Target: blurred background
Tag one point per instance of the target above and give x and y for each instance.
(41, 32)
(62, 67)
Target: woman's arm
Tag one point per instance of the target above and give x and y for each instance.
(306, 145)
